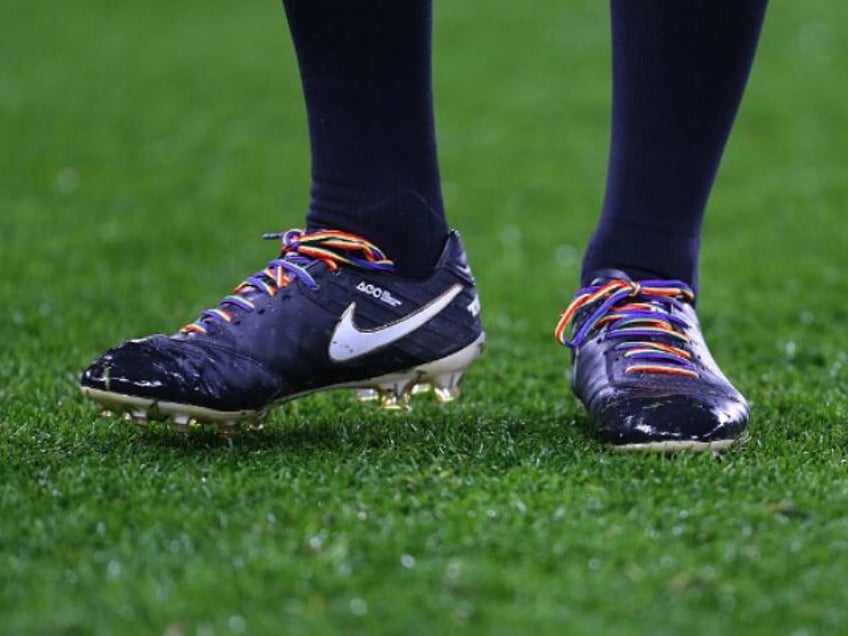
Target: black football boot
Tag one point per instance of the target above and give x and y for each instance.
(643, 371)
(328, 312)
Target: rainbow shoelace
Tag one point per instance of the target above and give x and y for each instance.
(299, 250)
(640, 316)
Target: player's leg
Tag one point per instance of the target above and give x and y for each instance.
(365, 68)
(375, 295)
(642, 369)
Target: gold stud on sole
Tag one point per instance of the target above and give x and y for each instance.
(421, 387)
(446, 387)
(394, 396)
(366, 395)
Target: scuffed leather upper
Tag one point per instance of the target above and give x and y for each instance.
(280, 349)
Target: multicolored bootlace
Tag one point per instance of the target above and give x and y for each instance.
(299, 250)
(639, 314)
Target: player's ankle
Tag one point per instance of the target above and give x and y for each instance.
(404, 224)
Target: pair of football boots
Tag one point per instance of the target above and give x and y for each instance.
(329, 312)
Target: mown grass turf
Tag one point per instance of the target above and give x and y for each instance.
(143, 149)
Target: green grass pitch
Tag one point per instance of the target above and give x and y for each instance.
(145, 146)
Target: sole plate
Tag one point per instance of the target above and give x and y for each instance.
(393, 391)
(685, 446)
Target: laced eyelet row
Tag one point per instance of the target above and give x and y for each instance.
(643, 316)
(299, 250)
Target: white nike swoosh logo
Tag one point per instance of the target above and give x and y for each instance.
(349, 342)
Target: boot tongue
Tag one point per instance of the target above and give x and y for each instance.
(602, 276)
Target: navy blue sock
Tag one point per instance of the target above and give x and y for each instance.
(679, 71)
(365, 68)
